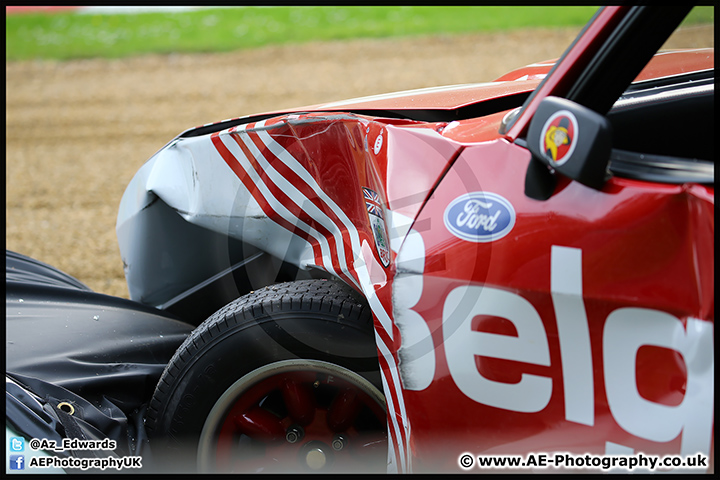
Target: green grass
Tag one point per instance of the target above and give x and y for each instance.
(65, 36)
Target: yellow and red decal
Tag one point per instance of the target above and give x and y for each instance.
(559, 137)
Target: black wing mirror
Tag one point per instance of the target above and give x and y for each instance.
(568, 139)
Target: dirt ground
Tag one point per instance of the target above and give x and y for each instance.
(77, 131)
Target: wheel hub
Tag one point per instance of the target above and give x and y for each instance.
(296, 416)
(315, 455)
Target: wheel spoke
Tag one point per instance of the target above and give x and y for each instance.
(300, 414)
(344, 410)
(299, 401)
(260, 424)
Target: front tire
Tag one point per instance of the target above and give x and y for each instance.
(284, 379)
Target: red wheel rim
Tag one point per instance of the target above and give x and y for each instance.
(299, 420)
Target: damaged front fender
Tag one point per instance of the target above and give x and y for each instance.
(298, 196)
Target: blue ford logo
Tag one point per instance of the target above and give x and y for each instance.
(480, 217)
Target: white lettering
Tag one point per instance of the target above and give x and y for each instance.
(573, 334)
(625, 331)
(417, 351)
(474, 220)
(462, 344)
(628, 329)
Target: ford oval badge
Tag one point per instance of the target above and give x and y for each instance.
(480, 217)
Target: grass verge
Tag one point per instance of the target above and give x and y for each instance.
(66, 35)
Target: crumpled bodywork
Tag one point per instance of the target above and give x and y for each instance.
(69, 345)
(95, 345)
(333, 195)
(479, 336)
(293, 190)
(587, 328)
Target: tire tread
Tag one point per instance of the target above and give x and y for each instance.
(318, 296)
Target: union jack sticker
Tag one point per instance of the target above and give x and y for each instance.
(377, 223)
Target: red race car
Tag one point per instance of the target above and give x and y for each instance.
(520, 266)
(517, 273)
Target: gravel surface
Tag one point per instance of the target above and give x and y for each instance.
(77, 131)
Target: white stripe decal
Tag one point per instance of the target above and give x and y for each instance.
(360, 267)
(285, 157)
(396, 428)
(375, 305)
(395, 400)
(392, 458)
(305, 204)
(392, 367)
(279, 208)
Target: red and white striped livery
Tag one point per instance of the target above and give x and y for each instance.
(519, 305)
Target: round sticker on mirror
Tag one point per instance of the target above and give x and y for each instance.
(558, 137)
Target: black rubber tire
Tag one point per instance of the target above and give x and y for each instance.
(308, 319)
